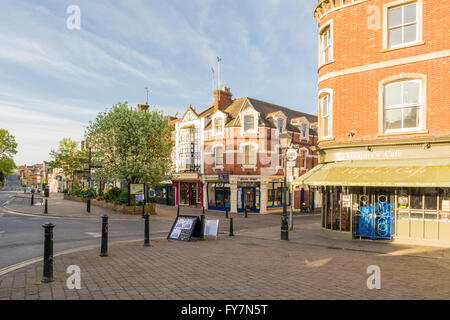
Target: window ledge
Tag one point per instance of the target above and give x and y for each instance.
(325, 64)
(249, 166)
(403, 47)
(218, 168)
(326, 139)
(384, 134)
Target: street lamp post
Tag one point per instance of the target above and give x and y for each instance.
(285, 141)
(88, 171)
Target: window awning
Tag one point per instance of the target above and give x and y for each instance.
(395, 173)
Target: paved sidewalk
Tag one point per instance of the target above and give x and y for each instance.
(231, 268)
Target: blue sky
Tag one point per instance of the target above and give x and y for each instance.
(54, 80)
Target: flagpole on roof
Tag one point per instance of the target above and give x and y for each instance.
(213, 82)
(218, 74)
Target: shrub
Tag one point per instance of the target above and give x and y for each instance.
(112, 194)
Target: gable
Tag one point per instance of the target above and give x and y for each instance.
(189, 115)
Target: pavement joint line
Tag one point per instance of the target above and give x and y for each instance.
(25, 263)
(390, 254)
(15, 212)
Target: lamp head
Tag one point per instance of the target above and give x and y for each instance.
(285, 140)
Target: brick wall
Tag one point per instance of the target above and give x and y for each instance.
(266, 140)
(356, 95)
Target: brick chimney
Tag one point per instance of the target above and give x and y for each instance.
(222, 98)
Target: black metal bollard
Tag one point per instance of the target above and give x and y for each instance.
(203, 210)
(88, 205)
(231, 227)
(48, 253)
(45, 206)
(226, 213)
(143, 210)
(178, 210)
(202, 221)
(32, 199)
(245, 212)
(147, 230)
(104, 249)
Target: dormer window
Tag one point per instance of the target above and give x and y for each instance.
(303, 131)
(249, 123)
(218, 125)
(280, 125)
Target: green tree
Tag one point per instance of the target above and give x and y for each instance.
(67, 157)
(8, 145)
(131, 145)
(7, 167)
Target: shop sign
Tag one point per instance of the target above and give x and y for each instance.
(369, 155)
(248, 179)
(137, 188)
(223, 176)
(290, 164)
(403, 202)
(185, 227)
(211, 228)
(346, 201)
(185, 176)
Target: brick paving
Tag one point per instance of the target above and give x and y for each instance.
(237, 267)
(254, 264)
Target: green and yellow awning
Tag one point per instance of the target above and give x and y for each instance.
(395, 173)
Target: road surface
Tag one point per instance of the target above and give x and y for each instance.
(21, 237)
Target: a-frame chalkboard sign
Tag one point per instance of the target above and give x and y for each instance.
(184, 228)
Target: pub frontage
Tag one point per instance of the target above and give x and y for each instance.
(385, 191)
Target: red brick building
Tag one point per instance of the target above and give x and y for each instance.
(384, 114)
(242, 163)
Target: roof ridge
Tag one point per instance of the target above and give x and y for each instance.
(277, 105)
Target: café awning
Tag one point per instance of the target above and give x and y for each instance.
(386, 173)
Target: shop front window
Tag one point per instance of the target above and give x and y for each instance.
(218, 195)
(416, 200)
(275, 195)
(430, 195)
(184, 192)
